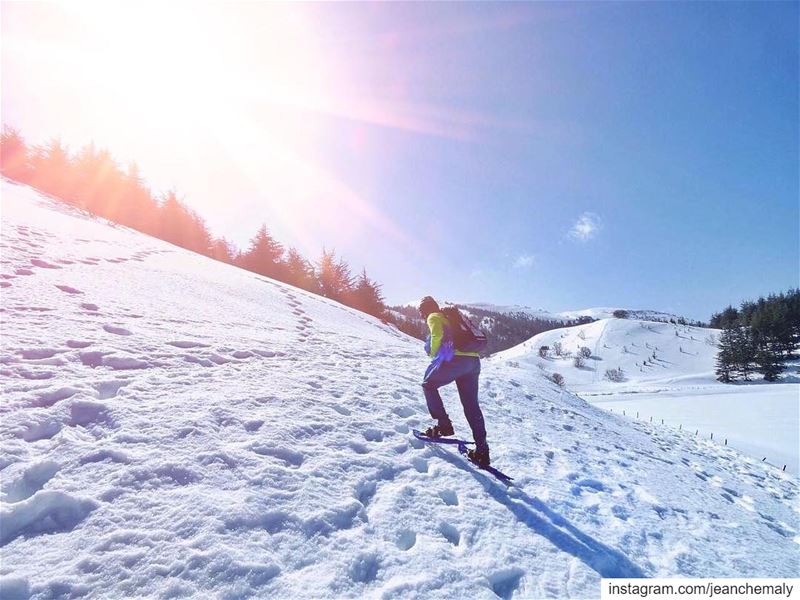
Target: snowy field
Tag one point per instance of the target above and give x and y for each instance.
(761, 420)
(678, 385)
(171, 426)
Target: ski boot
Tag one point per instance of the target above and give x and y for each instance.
(438, 431)
(479, 457)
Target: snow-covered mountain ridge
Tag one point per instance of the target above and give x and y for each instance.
(572, 315)
(174, 426)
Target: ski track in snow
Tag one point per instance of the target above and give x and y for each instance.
(173, 426)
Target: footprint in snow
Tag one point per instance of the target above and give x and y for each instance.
(47, 399)
(365, 492)
(449, 497)
(590, 485)
(505, 583)
(78, 344)
(450, 533)
(30, 375)
(364, 568)
(187, 344)
(43, 264)
(37, 353)
(68, 289)
(290, 457)
(254, 425)
(420, 464)
(49, 511)
(31, 481)
(373, 435)
(109, 389)
(403, 411)
(358, 448)
(406, 539)
(116, 330)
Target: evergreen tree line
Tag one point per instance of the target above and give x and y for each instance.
(504, 330)
(92, 180)
(759, 337)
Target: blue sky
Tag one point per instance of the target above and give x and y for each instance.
(558, 155)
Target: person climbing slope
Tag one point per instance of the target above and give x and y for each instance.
(449, 364)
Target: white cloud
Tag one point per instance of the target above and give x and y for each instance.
(586, 227)
(524, 261)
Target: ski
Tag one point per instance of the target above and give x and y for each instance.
(462, 448)
(452, 441)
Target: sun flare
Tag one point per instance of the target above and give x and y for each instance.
(179, 66)
(258, 89)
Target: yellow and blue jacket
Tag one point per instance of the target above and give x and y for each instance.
(439, 344)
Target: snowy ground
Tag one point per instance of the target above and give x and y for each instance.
(758, 420)
(678, 386)
(171, 426)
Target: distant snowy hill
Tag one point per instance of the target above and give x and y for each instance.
(174, 426)
(649, 353)
(572, 315)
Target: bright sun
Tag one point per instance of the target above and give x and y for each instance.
(178, 66)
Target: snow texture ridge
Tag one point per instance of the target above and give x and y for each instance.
(172, 426)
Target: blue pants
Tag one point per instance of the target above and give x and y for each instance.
(464, 370)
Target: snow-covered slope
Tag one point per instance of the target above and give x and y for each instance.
(651, 355)
(173, 426)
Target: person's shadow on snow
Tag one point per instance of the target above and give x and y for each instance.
(534, 513)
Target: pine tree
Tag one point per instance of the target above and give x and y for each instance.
(725, 356)
(137, 208)
(173, 220)
(299, 271)
(335, 280)
(744, 351)
(265, 256)
(367, 296)
(728, 317)
(768, 362)
(223, 250)
(14, 160)
(51, 170)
